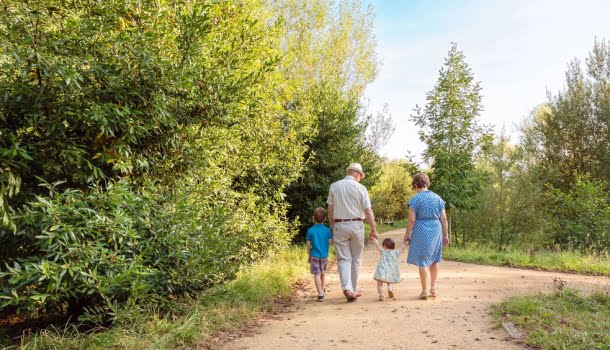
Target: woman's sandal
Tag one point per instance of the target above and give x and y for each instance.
(433, 293)
(423, 295)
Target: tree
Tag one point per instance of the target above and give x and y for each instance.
(581, 216)
(338, 141)
(324, 41)
(510, 205)
(380, 130)
(574, 130)
(392, 191)
(449, 127)
(329, 57)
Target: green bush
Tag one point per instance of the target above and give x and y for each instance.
(105, 98)
(105, 251)
(581, 216)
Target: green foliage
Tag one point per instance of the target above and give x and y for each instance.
(194, 320)
(532, 258)
(337, 142)
(112, 250)
(328, 58)
(452, 135)
(511, 204)
(167, 132)
(326, 42)
(573, 128)
(385, 227)
(581, 216)
(563, 320)
(392, 191)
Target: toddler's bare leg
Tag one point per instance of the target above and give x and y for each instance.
(380, 290)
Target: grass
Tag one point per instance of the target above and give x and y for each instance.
(400, 224)
(562, 320)
(564, 261)
(198, 320)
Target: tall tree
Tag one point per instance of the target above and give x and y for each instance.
(329, 57)
(510, 204)
(575, 129)
(339, 140)
(449, 127)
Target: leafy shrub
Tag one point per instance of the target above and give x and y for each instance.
(102, 251)
(103, 98)
(581, 216)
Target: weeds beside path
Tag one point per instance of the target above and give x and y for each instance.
(565, 319)
(565, 261)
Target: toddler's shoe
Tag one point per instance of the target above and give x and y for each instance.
(391, 294)
(321, 297)
(381, 297)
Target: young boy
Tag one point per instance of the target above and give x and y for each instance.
(319, 239)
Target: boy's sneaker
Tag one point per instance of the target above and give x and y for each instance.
(321, 297)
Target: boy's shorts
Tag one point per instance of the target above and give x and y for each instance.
(318, 266)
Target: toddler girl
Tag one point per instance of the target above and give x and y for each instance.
(387, 269)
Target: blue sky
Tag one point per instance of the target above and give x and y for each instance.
(518, 49)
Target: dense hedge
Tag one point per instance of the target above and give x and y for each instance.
(144, 150)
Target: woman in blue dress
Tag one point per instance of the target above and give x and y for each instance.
(426, 233)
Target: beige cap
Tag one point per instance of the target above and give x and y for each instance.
(356, 167)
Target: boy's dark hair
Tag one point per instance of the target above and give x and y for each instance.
(388, 243)
(319, 215)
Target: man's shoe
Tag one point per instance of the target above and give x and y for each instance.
(349, 295)
(358, 293)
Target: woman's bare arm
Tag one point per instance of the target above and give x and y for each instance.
(445, 226)
(407, 238)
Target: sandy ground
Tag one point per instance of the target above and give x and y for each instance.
(459, 318)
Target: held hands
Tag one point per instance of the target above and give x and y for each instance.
(407, 240)
(445, 240)
(373, 235)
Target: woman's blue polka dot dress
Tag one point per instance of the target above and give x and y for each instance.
(426, 239)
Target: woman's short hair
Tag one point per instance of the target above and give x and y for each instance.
(421, 180)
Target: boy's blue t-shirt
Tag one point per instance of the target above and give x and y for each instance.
(319, 235)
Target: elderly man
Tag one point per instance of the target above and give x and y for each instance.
(348, 205)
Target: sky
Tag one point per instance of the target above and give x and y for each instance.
(517, 49)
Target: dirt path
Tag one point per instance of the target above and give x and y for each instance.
(458, 319)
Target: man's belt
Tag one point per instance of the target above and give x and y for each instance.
(346, 220)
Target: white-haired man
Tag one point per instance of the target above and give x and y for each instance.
(348, 205)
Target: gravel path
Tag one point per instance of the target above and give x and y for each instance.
(459, 318)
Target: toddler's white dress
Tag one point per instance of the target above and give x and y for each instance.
(387, 269)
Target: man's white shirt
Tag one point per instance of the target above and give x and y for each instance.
(348, 198)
